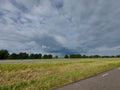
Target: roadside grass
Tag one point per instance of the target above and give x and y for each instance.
(48, 75)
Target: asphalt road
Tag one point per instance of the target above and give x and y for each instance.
(106, 81)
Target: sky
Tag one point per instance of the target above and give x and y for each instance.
(60, 26)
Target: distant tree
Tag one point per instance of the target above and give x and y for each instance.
(112, 56)
(84, 56)
(14, 56)
(96, 56)
(50, 56)
(4, 54)
(23, 55)
(117, 56)
(56, 56)
(32, 56)
(66, 56)
(35, 56)
(47, 56)
(40, 56)
(75, 56)
(105, 56)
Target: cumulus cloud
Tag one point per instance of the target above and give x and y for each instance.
(60, 26)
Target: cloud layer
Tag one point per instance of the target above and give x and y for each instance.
(60, 26)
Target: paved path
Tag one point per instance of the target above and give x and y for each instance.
(106, 81)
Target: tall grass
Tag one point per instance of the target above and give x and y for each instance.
(47, 75)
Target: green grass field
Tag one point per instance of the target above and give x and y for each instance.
(48, 75)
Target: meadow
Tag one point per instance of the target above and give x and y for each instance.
(48, 75)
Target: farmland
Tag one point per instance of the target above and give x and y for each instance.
(48, 75)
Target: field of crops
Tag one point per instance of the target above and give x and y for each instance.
(48, 75)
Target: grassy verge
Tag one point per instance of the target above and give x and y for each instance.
(47, 75)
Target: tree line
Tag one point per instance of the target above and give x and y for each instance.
(4, 54)
(89, 56)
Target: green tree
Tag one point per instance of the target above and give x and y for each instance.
(47, 56)
(50, 56)
(75, 56)
(14, 56)
(66, 56)
(4, 54)
(23, 55)
(35, 56)
(56, 56)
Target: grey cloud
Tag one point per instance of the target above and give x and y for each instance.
(60, 26)
(57, 4)
(20, 6)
